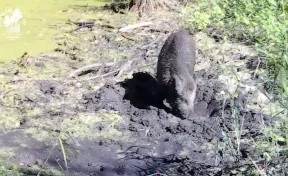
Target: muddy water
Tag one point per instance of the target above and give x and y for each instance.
(33, 30)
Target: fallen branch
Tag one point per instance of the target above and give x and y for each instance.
(18, 79)
(89, 67)
(82, 23)
(119, 71)
(130, 27)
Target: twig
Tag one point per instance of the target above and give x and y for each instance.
(76, 29)
(2, 95)
(157, 174)
(129, 38)
(257, 68)
(58, 163)
(101, 76)
(48, 157)
(124, 68)
(108, 26)
(260, 172)
(156, 40)
(238, 137)
(159, 30)
(130, 27)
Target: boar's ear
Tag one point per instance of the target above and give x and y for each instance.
(179, 83)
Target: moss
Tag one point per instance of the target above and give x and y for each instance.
(39, 133)
(93, 126)
(45, 171)
(9, 118)
(83, 125)
(6, 153)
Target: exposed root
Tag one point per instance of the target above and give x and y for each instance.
(146, 6)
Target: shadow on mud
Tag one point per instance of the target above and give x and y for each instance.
(141, 90)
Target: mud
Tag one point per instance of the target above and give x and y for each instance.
(158, 141)
(152, 140)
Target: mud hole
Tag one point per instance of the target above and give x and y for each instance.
(161, 142)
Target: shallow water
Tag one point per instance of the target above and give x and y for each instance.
(32, 32)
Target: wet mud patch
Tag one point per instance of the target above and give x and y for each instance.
(155, 140)
(145, 139)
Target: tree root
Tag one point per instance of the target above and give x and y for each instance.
(146, 6)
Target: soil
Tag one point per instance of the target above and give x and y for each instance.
(112, 125)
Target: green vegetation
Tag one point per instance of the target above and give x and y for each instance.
(263, 25)
(260, 23)
(13, 171)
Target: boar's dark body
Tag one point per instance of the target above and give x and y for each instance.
(175, 73)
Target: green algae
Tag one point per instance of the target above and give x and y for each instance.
(37, 27)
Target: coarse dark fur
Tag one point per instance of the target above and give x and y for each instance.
(175, 73)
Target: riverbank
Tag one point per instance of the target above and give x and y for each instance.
(89, 105)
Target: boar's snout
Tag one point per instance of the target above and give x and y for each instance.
(184, 104)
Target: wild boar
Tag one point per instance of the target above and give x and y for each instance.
(175, 73)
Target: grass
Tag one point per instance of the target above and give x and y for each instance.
(264, 26)
(4, 171)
